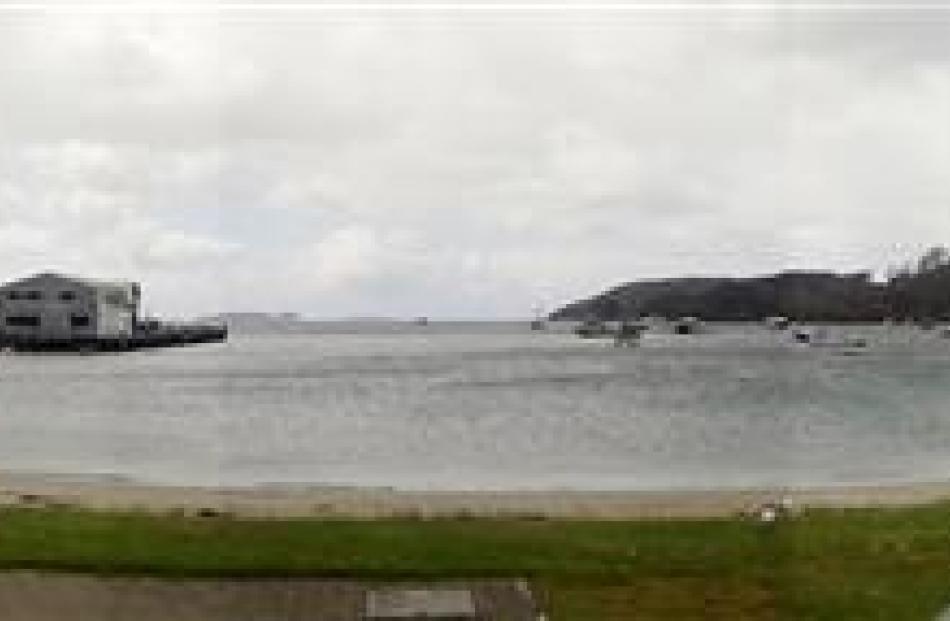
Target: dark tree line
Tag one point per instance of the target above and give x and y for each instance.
(918, 292)
(922, 292)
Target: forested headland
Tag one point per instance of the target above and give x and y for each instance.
(918, 291)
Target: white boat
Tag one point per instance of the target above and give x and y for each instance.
(777, 323)
(539, 323)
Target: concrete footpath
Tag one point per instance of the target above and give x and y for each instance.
(31, 596)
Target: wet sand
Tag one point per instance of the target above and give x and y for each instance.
(353, 502)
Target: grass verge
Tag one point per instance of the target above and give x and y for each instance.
(845, 564)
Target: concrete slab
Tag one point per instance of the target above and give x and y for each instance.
(33, 596)
(398, 604)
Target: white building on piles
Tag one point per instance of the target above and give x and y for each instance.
(51, 309)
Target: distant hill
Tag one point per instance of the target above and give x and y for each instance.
(261, 322)
(800, 295)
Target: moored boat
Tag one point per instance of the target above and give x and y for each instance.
(687, 325)
(629, 333)
(777, 323)
(593, 328)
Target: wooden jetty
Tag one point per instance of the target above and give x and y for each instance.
(146, 335)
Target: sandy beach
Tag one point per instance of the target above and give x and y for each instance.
(274, 501)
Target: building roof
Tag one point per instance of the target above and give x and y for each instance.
(92, 283)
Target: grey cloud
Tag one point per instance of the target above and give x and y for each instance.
(389, 164)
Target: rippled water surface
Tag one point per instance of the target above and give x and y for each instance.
(488, 406)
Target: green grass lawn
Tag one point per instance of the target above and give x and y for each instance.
(855, 564)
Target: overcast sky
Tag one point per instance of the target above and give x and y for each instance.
(464, 163)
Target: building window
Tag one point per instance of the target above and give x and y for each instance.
(79, 321)
(13, 295)
(34, 295)
(116, 298)
(23, 321)
(67, 296)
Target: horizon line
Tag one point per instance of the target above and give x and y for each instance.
(471, 7)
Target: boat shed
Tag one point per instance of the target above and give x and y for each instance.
(50, 309)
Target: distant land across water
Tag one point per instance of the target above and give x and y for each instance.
(292, 323)
(918, 292)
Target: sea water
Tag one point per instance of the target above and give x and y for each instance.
(488, 406)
